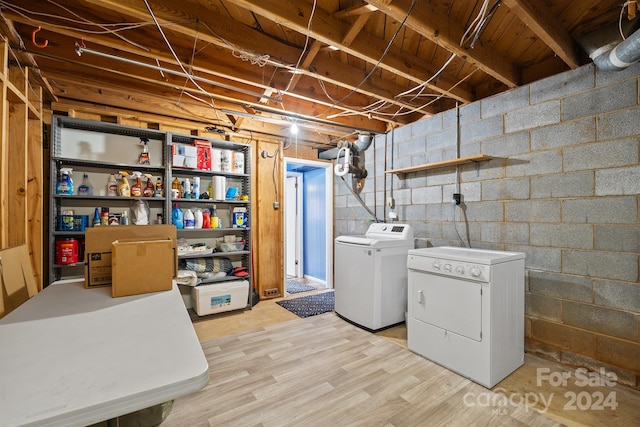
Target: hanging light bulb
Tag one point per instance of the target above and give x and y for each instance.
(294, 129)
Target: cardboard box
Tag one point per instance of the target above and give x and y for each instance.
(220, 297)
(17, 283)
(203, 154)
(184, 156)
(98, 248)
(141, 266)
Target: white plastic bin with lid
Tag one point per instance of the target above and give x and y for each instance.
(219, 297)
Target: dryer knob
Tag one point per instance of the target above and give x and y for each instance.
(475, 272)
(447, 268)
(436, 265)
(460, 270)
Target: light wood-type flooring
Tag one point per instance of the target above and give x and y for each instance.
(271, 368)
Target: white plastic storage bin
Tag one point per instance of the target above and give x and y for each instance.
(219, 297)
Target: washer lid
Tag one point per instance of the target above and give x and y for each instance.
(478, 256)
(374, 243)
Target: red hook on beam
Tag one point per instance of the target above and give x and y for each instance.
(35, 43)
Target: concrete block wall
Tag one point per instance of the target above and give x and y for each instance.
(563, 187)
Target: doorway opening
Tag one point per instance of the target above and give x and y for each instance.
(308, 228)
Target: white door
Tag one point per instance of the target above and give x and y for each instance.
(293, 225)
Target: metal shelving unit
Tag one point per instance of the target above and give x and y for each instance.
(103, 148)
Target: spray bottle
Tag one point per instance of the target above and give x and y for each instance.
(85, 189)
(136, 189)
(124, 190)
(112, 186)
(65, 184)
(149, 189)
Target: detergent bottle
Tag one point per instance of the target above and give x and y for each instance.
(65, 184)
(176, 216)
(124, 190)
(136, 189)
(189, 219)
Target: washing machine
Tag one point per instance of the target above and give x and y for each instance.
(370, 275)
(466, 310)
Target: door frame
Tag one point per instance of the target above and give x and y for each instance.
(328, 181)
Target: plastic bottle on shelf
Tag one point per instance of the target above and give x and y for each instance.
(85, 189)
(149, 189)
(196, 187)
(112, 186)
(96, 218)
(124, 190)
(124, 219)
(175, 185)
(198, 218)
(189, 219)
(65, 183)
(187, 189)
(177, 217)
(215, 221)
(136, 189)
(159, 188)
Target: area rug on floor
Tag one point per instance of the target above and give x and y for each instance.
(310, 305)
(295, 287)
(322, 371)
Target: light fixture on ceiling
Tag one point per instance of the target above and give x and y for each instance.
(82, 49)
(294, 129)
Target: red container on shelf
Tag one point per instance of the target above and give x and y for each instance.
(67, 251)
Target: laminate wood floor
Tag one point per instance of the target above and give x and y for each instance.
(323, 371)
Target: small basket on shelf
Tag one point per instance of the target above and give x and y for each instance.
(72, 222)
(230, 246)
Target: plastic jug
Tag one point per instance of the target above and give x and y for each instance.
(176, 217)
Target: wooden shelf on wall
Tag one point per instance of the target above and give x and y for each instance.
(462, 160)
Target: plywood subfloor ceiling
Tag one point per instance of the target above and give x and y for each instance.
(336, 68)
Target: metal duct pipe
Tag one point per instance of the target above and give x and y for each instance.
(608, 52)
(363, 142)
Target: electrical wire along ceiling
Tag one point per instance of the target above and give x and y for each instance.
(334, 68)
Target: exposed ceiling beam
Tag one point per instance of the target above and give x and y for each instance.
(330, 31)
(546, 26)
(223, 36)
(440, 29)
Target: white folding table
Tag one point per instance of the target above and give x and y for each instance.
(73, 356)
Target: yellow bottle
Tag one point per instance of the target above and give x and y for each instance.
(124, 190)
(176, 185)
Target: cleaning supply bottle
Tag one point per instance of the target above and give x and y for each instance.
(136, 189)
(159, 188)
(187, 189)
(143, 158)
(175, 185)
(196, 187)
(112, 186)
(124, 190)
(85, 189)
(198, 218)
(124, 219)
(189, 219)
(210, 189)
(149, 189)
(96, 217)
(65, 184)
(215, 221)
(176, 216)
